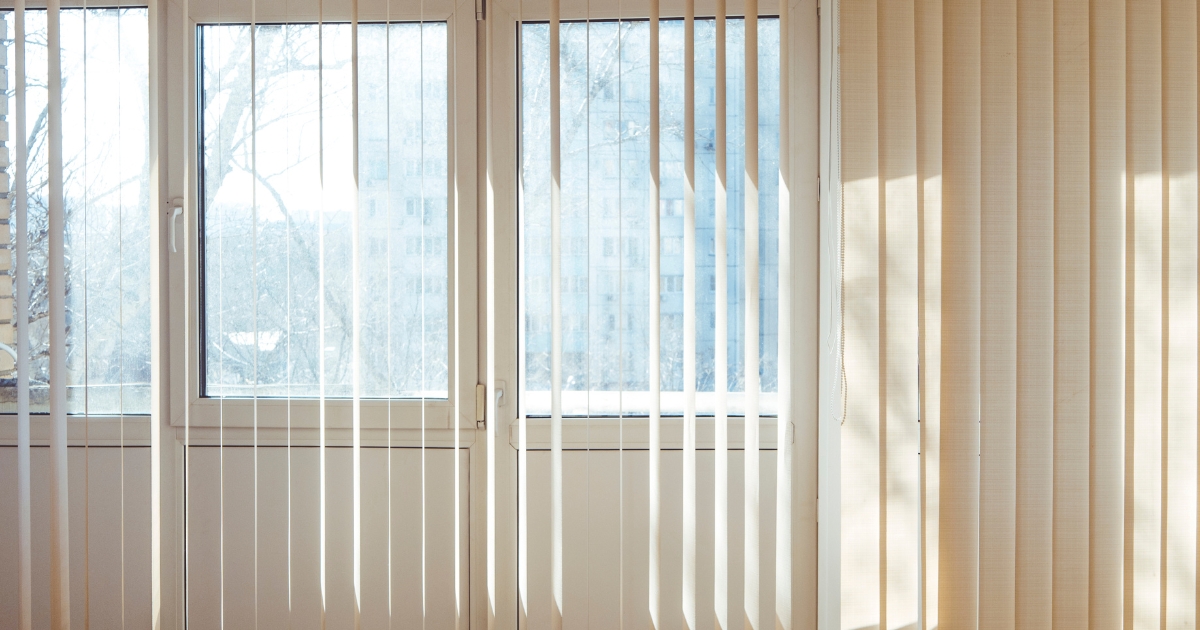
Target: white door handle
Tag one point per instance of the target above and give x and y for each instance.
(175, 212)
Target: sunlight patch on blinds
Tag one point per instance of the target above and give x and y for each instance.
(1057, 287)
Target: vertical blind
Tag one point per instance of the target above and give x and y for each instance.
(296, 304)
(609, 193)
(1019, 189)
(326, 489)
(77, 293)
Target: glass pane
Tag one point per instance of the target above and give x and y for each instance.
(605, 167)
(278, 198)
(106, 190)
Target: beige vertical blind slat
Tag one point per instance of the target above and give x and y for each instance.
(1179, 339)
(958, 582)
(1035, 323)
(998, 317)
(899, 427)
(556, 327)
(21, 289)
(1108, 314)
(60, 555)
(1143, 510)
(1072, 294)
(928, 60)
(860, 493)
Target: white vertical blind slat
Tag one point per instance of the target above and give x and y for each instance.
(24, 515)
(322, 420)
(160, 452)
(523, 594)
(655, 587)
(221, 408)
(556, 344)
(751, 536)
(783, 454)
(87, 590)
(424, 250)
(254, 270)
(493, 445)
(689, 316)
(288, 383)
(620, 342)
(356, 323)
(187, 415)
(721, 342)
(456, 386)
(60, 568)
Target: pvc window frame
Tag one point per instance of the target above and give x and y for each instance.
(238, 417)
(595, 431)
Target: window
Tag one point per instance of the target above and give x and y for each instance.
(671, 246)
(106, 195)
(605, 77)
(272, 236)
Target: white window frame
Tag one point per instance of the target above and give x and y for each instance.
(601, 431)
(204, 415)
(107, 429)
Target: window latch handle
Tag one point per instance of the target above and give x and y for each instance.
(176, 210)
